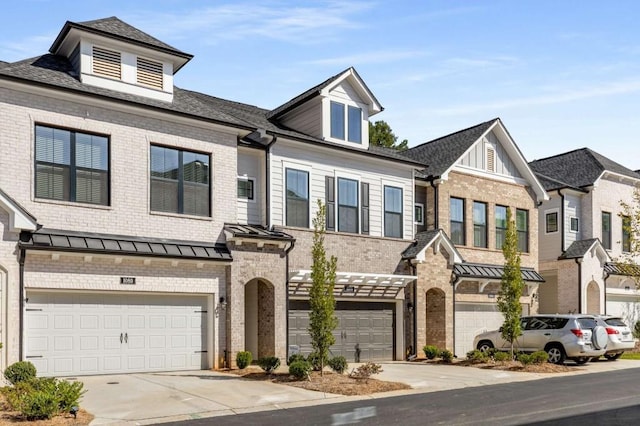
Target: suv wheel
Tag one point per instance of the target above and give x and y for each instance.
(556, 354)
(484, 346)
(581, 360)
(612, 357)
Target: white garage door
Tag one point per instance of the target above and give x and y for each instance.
(626, 307)
(81, 333)
(473, 319)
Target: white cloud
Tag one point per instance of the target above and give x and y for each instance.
(374, 57)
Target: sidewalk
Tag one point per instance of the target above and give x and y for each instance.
(161, 397)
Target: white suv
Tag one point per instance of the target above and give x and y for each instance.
(575, 337)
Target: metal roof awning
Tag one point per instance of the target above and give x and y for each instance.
(239, 233)
(491, 272)
(71, 241)
(624, 269)
(353, 284)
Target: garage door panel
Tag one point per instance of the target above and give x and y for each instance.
(473, 319)
(105, 334)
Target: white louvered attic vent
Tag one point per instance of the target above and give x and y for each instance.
(149, 73)
(106, 63)
(491, 160)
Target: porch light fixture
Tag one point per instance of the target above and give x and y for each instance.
(222, 305)
(410, 307)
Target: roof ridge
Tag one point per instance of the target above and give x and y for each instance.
(559, 155)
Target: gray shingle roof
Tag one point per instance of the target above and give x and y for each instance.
(115, 28)
(478, 270)
(309, 94)
(579, 248)
(422, 239)
(84, 242)
(440, 154)
(579, 168)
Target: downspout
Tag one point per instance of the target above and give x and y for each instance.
(286, 287)
(267, 183)
(579, 263)
(606, 276)
(414, 297)
(562, 241)
(21, 258)
(435, 204)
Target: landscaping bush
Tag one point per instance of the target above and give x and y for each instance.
(525, 359)
(539, 357)
(476, 356)
(314, 360)
(43, 398)
(39, 404)
(446, 355)
(243, 359)
(295, 357)
(269, 363)
(431, 351)
(19, 372)
(500, 356)
(636, 330)
(366, 370)
(338, 364)
(300, 369)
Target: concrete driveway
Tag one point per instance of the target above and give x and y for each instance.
(160, 397)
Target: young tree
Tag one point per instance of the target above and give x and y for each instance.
(511, 285)
(380, 134)
(630, 242)
(322, 320)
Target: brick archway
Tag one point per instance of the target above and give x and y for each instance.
(593, 298)
(259, 315)
(436, 318)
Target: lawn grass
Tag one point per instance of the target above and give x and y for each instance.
(630, 355)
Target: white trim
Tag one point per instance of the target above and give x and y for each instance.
(421, 205)
(359, 86)
(487, 175)
(357, 278)
(440, 240)
(551, 211)
(353, 177)
(18, 220)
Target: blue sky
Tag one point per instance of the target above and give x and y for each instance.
(561, 74)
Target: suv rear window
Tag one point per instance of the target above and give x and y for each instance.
(615, 322)
(587, 323)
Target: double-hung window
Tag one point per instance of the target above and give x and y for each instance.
(626, 234)
(347, 205)
(180, 181)
(456, 220)
(606, 230)
(71, 166)
(479, 224)
(245, 188)
(501, 226)
(551, 222)
(297, 208)
(392, 211)
(346, 122)
(522, 229)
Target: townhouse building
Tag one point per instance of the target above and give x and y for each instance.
(473, 177)
(583, 237)
(147, 227)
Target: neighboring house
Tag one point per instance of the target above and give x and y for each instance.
(147, 227)
(473, 177)
(582, 235)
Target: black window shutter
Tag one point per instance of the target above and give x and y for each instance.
(330, 203)
(364, 189)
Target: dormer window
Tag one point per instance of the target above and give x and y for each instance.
(149, 73)
(107, 63)
(346, 121)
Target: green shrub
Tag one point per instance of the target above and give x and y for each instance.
(446, 355)
(338, 364)
(300, 369)
(314, 360)
(476, 356)
(431, 351)
(524, 358)
(636, 330)
(69, 394)
(295, 357)
(539, 357)
(37, 405)
(500, 356)
(366, 370)
(243, 359)
(269, 363)
(19, 372)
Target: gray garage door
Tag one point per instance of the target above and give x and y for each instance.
(365, 330)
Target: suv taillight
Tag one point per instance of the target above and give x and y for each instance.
(577, 332)
(612, 331)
